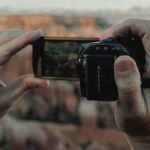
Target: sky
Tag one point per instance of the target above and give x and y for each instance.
(76, 5)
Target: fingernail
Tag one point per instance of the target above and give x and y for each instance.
(124, 66)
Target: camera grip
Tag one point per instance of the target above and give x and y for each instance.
(100, 83)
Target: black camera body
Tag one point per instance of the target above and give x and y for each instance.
(95, 65)
(89, 61)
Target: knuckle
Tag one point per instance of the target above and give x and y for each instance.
(27, 77)
(128, 83)
(27, 80)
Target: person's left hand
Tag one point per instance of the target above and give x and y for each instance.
(11, 42)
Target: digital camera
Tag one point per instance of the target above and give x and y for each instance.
(88, 60)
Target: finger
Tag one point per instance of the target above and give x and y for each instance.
(15, 45)
(126, 29)
(131, 106)
(10, 94)
(8, 35)
(109, 32)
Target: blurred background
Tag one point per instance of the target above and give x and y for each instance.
(59, 119)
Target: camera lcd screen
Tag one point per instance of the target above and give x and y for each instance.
(59, 58)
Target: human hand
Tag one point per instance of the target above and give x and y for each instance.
(11, 42)
(133, 108)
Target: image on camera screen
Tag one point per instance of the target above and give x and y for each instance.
(59, 58)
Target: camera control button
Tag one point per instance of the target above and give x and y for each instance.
(113, 48)
(118, 48)
(105, 48)
(98, 48)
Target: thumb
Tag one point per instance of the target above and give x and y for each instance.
(9, 95)
(131, 106)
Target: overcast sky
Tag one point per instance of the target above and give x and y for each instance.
(70, 4)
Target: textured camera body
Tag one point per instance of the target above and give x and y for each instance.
(95, 66)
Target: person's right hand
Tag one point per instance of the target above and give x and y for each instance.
(133, 107)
